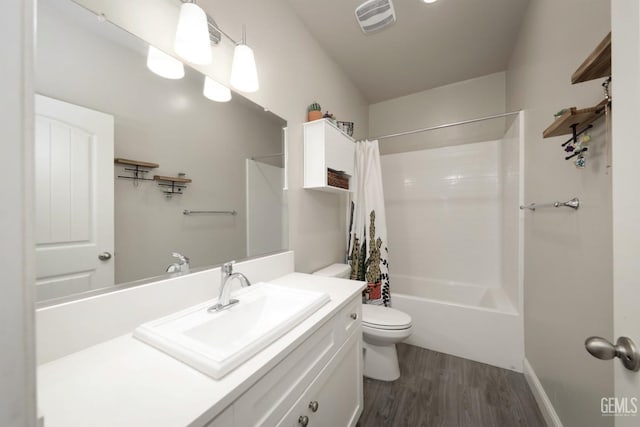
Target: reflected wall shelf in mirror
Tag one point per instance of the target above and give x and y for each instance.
(137, 168)
(328, 157)
(173, 184)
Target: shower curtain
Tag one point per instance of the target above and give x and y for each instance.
(367, 250)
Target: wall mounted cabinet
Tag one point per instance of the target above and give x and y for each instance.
(327, 148)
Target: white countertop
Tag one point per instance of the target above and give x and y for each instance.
(124, 382)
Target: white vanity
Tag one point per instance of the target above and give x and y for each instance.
(312, 375)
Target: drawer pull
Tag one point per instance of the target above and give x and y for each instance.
(354, 316)
(313, 405)
(303, 420)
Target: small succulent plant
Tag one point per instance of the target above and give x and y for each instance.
(315, 107)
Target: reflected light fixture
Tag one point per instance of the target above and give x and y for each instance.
(244, 75)
(216, 91)
(192, 35)
(429, 1)
(164, 65)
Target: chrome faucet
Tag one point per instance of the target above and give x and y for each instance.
(227, 276)
(181, 267)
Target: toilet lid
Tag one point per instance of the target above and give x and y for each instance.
(379, 317)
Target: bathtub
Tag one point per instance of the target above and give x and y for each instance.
(466, 320)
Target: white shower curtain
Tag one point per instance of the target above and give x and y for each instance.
(368, 253)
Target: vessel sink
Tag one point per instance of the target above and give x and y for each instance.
(216, 343)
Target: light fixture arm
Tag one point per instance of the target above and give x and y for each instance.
(214, 25)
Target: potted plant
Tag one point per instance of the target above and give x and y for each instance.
(314, 112)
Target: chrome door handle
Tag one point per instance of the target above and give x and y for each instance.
(104, 256)
(354, 316)
(303, 420)
(624, 349)
(313, 405)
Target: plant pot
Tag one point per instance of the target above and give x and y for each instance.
(314, 115)
(375, 290)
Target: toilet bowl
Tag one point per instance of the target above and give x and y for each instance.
(382, 329)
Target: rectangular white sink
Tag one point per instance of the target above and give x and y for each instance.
(216, 343)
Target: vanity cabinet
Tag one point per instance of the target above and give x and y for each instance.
(327, 147)
(323, 373)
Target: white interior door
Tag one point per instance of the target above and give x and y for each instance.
(626, 202)
(74, 198)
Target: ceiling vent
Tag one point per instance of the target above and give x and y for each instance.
(374, 15)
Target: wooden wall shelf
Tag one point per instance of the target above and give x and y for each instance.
(597, 64)
(171, 179)
(564, 125)
(140, 163)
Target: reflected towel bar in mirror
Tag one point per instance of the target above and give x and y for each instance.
(190, 212)
(573, 203)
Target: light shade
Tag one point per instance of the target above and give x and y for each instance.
(216, 91)
(192, 35)
(164, 65)
(244, 76)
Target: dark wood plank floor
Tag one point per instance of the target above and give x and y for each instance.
(436, 389)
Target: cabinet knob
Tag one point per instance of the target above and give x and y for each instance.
(354, 316)
(303, 420)
(313, 405)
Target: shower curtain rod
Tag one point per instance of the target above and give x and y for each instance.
(464, 122)
(268, 157)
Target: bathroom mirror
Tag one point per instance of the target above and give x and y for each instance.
(220, 195)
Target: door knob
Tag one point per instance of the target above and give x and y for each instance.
(313, 405)
(104, 256)
(624, 349)
(303, 420)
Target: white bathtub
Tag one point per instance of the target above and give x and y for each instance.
(474, 322)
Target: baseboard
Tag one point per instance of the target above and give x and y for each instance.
(547, 409)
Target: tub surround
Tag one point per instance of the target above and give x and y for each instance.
(123, 381)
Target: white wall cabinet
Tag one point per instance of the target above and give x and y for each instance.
(323, 373)
(326, 147)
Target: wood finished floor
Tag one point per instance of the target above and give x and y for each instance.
(439, 390)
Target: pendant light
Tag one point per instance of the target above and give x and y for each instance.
(216, 91)
(244, 75)
(192, 35)
(164, 65)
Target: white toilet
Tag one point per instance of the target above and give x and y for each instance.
(382, 328)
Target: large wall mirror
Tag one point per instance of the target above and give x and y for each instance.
(222, 196)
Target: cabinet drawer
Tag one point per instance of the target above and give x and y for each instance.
(269, 399)
(336, 392)
(348, 319)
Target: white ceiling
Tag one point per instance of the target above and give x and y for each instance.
(430, 45)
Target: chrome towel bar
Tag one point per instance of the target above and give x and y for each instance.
(190, 212)
(573, 204)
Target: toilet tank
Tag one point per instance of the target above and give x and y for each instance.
(335, 270)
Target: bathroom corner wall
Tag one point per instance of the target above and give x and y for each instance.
(294, 71)
(568, 254)
(17, 357)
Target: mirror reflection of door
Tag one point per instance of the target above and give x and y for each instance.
(74, 198)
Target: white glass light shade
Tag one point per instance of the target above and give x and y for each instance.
(192, 35)
(244, 75)
(216, 91)
(164, 65)
(429, 1)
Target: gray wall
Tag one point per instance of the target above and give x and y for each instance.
(568, 255)
(162, 121)
(469, 99)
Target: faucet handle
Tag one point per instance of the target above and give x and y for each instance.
(183, 259)
(227, 267)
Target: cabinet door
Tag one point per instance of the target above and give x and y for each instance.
(337, 392)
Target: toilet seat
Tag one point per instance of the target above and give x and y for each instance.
(384, 318)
